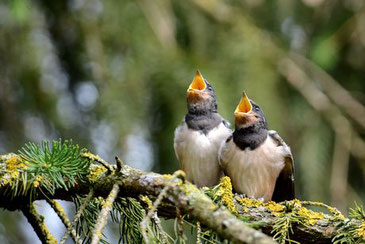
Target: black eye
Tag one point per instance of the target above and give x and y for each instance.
(210, 88)
(257, 108)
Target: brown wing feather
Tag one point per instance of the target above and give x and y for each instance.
(284, 187)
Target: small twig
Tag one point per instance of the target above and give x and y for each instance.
(120, 163)
(180, 226)
(157, 222)
(334, 211)
(63, 216)
(37, 222)
(78, 215)
(154, 218)
(150, 213)
(98, 159)
(104, 213)
(198, 233)
(152, 210)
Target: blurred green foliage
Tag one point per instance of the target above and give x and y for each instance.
(112, 76)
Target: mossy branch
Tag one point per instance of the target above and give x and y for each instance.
(70, 228)
(37, 222)
(104, 213)
(63, 216)
(121, 189)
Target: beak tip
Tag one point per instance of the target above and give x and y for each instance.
(244, 105)
(198, 82)
(197, 73)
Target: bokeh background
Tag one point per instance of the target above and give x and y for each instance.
(112, 76)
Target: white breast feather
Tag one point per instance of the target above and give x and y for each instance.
(198, 153)
(253, 172)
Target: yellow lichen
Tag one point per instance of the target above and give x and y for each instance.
(188, 188)
(167, 176)
(37, 180)
(58, 206)
(249, 202)
(274, 207)
(296, 202)
(180, 173)
(10, 177)
(40, 222)
(336, 213)
(14, 163)
(91, 156)
(95, 172)
(107, 204)
(311, 217)
(360, 232)
(146, 200)
(100, 201)
(225, 193)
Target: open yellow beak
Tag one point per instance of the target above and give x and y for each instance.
(244, 106)
(198, 82)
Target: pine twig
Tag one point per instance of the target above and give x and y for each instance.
(152, 210)
(37, 222)
(65, 220)
(77, 216)
(104, 213)
(198, 233)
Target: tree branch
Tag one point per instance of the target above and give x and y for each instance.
(65, 220)
(77, 216)
(192, 202)
(104, 213)
(37, 222)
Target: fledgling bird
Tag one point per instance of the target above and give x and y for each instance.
(198, 138)
(256, 159)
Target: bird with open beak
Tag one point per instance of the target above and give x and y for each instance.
(198, 138)
(256, 159)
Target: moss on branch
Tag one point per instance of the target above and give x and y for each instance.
(216, 209)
